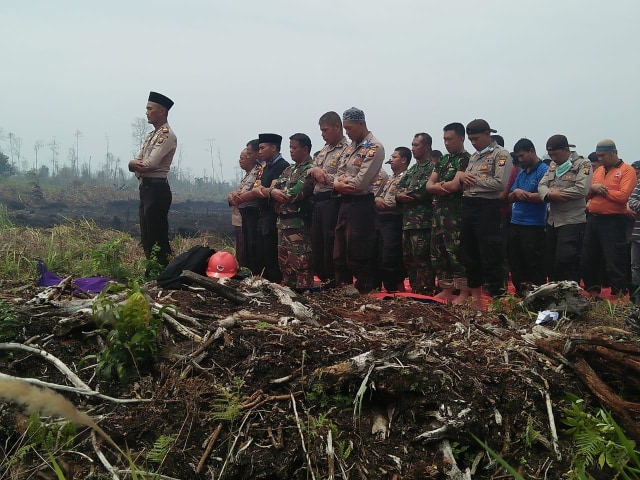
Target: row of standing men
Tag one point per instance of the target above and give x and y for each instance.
(336, 215)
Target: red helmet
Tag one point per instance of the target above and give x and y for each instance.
(222, 264)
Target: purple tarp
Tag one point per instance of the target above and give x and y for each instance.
(86, 284)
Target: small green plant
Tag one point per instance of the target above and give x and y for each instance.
(42, 437)
(153, 268)
(599, 440)
(506, 304)
(531, 435)
(344, 448)
(499, 459)
(107, 259)
(9, 324)
(227, 404)
(161, 448)
(132, 337)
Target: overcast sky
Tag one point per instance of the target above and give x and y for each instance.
(531, 68)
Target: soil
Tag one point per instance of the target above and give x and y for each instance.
(278, 386)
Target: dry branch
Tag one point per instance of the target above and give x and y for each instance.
(66, 371)
(217, 288)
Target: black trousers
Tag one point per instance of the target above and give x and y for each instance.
(267, 246)
(155, 201)
(526, 249)
(250, 239)
(390, 265)
(563, 251)
(481, 244)
(323, 233)
(354, 247)
(605, 236)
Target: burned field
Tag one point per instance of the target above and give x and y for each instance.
(252, 381)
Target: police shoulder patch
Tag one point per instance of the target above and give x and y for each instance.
(586, 169)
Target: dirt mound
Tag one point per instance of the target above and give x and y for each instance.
(267, 386)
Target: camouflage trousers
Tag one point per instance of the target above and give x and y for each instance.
(416, 254)
(445, 242)
(294, 257)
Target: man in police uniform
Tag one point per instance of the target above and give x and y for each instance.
(564, 188)
(390, 267)
(325, 201)
(480, 238)
(151, 166)
(360, 164)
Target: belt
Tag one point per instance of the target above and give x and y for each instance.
(322, 196)
(367, 197)
(150, 180)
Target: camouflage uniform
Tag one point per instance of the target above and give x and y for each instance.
(416, 227)
(294, 221)
(446, 223)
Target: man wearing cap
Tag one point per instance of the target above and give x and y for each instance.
(605, 232)
(354, 247)
(389, 220)
(480, 238)
(325, 201)
(151, 167)
(447, 215)
(417, 213)
(267, 244)
(526, 238)
(564, 187)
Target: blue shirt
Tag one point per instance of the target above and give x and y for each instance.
(528, 213)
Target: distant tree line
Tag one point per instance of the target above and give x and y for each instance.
(48, 168)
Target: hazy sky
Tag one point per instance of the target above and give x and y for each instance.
(237, 68)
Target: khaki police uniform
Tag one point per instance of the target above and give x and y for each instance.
(566, 220)
(390, 267)
(354, 246)
(325, 212)
(480, 236)
(155, 194)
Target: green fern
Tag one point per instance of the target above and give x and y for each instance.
(599, 441)
(161, 448)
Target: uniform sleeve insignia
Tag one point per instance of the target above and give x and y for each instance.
(372, 151)
(368, 144)
(161, 139)
(165, 129)
(586, 169)
(502, 162)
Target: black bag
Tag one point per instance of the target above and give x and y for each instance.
(194, 259)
